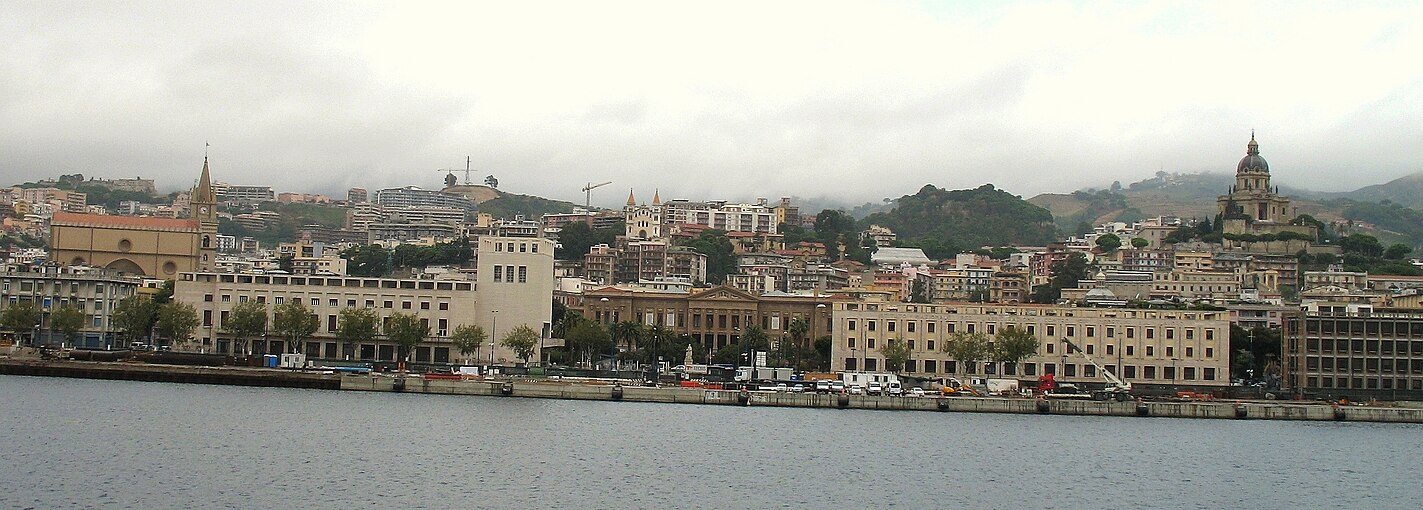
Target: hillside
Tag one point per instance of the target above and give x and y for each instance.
(507, 205)
(943, 221)
(1406, 191)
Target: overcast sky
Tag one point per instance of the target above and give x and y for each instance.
(715, 100)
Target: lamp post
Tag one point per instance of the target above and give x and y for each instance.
(493, 331)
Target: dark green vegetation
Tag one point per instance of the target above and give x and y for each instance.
(509, 205)
(944, 222)
(294, 216)
(375, 260)
(574, 239)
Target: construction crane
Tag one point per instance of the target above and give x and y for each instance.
(451, 172)
(1116, 388)
(588, 193)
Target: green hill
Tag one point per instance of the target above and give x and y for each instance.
(1406, 190)
(507, 205)
(944, 222)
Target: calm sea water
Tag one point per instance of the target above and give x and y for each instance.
(71, 443)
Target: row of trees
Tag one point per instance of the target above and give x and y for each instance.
(375, 260)
(1009, 347)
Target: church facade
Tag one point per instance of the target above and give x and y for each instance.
(144, 246)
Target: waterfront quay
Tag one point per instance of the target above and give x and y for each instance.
(611, 391)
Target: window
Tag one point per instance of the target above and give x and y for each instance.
(870, 325)
(1210, 335)
(1091, 332)
(523, 247)
(498, 273)
(851, 325)
(1150, 333)
(207, 298)
(1049, 331)
(1190, 334)
(444, 306)
(931, 327)
(227, 298)
(1130, 351)
(279, 299)
(315, 302)
(424, 305)
(869, 343)
(1170, 333)
(1131, 332)
(1148, 372)
(1170, 351)
(534, 247)
(1049, 347)
(1210, 352)
(1071, 331)
(389, 304)
(930, 345)
(523, 274)
(889, 325)
(1150, 350)
(1089, 349)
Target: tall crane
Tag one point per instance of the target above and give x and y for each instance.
(451, 172)
(588, 193)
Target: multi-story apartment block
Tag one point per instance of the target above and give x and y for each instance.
(94, 291)
(1197, 285)
(357, 195)
(1158, 347)
(242, 194)
(1354, 351)
(411, 196)
(817, 278)
(600, 264)
(1146, 260)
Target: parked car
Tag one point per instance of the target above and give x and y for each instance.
(822, 386)
(916, 392)
(895, 389)
(875, 388)
(857, 390)
(837, 386)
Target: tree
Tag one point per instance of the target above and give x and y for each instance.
(294, 322)
(246, 320)
(968, 349)
(407, 331)
(67, 320)
(1362, 244)
(1139, 243)
(286, 262)
(1108, 242)
(721, 259)
(917, 292)
(798, 328)
(177, 321)
(586, 338)
(20, 317)
(522, 341)
(369, 260)
(896, 353)
(1013, 345)
(823, 347)
(468, 338)
(356, 325)
(1397, 251)
(135, 316)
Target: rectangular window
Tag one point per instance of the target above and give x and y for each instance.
(523, 274)
(498, 273)
(870, 325)
(931, 327)
(1190, 352)
(1091, 332)
(851, 325)
(909, 326)
(1210, 352)
(1071, 331)
(890, 326)
(1049, 331)
(1148, 372)
(1131, 333)
(1150, 333)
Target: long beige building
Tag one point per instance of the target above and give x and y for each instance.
(513, 287)
(1166, 347)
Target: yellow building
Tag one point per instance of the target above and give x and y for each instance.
(156, 247)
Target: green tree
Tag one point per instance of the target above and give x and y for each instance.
(407, 331)
(1397, 251)
(356, 325)
(20, 317)
(468, 338)
(522, 340)
(368, 260)
(721, 259)
(586, 339)
(1362, 244)
(968, 349)
(917, 292)
(294, 322)
(246, 320)
(1108, 242)
(823, 347)
(626, 333)
(1013, 345)
(177, 321)
(286, 263)
(1139, 243)
(1065, 275)
(799, 327)
(896, 353)
(67, 320)
(135, 316)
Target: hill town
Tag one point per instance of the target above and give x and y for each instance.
(941, 287)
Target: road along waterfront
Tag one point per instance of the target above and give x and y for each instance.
(120, 444)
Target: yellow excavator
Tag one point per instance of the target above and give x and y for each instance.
(954, 388)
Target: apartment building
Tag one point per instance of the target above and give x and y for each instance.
(94, 291)
(1354, 351)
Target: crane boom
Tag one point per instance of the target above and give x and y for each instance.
(588, 193)
(1112, 379)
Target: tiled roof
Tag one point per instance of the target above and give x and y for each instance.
(125, 222)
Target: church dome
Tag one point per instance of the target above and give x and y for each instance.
(1252, 159)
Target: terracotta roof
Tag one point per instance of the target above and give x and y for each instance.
(125, 222)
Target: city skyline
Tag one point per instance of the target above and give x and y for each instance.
(735, 102)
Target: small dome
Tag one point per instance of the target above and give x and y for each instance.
(1101, 293)
(1252, 159)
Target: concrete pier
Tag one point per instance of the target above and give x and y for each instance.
(578, 390)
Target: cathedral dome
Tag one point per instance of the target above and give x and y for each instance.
(1252, 159)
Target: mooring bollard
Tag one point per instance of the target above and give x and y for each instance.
(943, 404)
(398, 384)
(1240, 411)
(617, 392)
(507, 389)
(1141, 408)
(1043, 406)
(1339, 413)
(842, 401)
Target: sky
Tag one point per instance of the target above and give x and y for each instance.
(849, 102)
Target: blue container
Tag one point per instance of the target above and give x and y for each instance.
(270, 360)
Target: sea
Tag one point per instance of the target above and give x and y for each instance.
(75, 443)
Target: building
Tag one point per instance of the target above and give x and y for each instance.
(411, 196)
(1152, 347)
(238, 194)
(515, 285)
(159, 247)
(357, 195)
(713, 318)
(93, 291)
(1354, 352)
(1252, 206)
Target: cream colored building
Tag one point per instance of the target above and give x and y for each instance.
(1163, 347)
(514, 287)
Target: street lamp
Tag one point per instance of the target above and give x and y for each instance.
(493, 331)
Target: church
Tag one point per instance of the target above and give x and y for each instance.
(141, 246)
(1252, 206)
